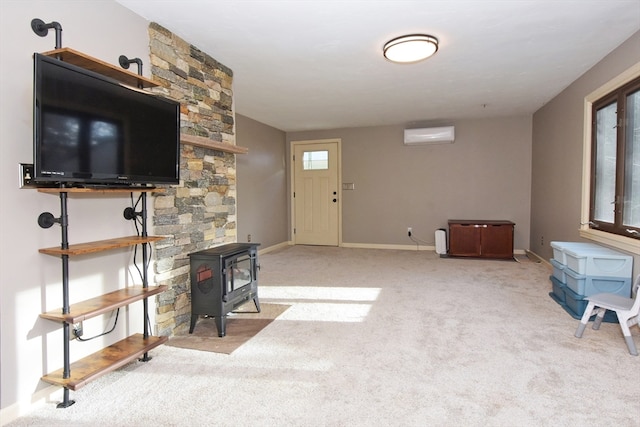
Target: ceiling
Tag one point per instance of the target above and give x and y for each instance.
(310, 65)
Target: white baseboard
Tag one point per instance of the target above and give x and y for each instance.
(534, 255)
(48, 394)
(405, 247)
(385, 246)
(274, 247)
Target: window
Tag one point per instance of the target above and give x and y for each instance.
(615, 162)
(315, 160)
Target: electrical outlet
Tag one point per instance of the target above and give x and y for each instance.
(248, 238)
(78, 330)
(25, 176)
(409, 231)
(541, 240)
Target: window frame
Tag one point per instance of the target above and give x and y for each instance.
(617, 99)
(626, 243)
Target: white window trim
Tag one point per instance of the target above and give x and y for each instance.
(621, 242)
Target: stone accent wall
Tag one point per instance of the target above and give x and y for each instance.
(200, 212)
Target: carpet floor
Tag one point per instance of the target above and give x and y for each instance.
(382, 338)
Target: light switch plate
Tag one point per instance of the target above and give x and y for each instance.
(348, 186)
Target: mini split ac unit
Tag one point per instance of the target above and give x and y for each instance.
(427, 136)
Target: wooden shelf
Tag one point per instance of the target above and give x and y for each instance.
(90, 63)
(58, 190)
(100, 245)
(103, 304)
(200, 141)
(104, 361)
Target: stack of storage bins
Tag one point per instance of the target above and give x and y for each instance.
(583, 269)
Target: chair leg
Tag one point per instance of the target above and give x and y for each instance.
(600, 312)
(584, 320)
(631, 345)
(580, 329)
(627, 335)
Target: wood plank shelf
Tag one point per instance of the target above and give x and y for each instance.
(200, 141)
(103, 304)
(104, 361)
(58, 190)
(90, 63)
(100, 245)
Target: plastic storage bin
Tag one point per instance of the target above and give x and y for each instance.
(601, 262)
(558, 270)
(557, 290)
(559, 249)
(576, 304)
(589, 285)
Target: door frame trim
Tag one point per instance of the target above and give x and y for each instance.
(292, 183)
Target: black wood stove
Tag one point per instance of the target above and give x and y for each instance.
(223, 278)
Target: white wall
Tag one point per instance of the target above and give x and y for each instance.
(30, 281)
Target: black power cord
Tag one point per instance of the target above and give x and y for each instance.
(416, 240)
(130, 213)
(78, 332)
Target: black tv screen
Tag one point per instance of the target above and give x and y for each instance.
(90, 129)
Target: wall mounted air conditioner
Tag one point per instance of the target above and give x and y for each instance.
(427, 136)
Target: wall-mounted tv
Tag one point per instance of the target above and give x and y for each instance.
(92, 130)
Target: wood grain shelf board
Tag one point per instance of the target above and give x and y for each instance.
(94, 64)
(104, 361)
(200, 141)
(100, 245)
(102, 304)
(58, 190)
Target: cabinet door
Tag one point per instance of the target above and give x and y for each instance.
(497, 241)
(464, 240)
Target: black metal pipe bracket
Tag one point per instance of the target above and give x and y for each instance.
(40, 28)
(126, 62)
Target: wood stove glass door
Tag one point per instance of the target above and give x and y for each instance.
(239, 273)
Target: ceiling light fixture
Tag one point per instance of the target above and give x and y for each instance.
(410, 48)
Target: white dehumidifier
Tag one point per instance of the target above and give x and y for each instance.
(441, 241)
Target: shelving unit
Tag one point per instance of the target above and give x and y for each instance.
(75, 375)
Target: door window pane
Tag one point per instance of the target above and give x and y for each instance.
(315, 160)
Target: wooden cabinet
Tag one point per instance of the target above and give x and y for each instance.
(75, 375)
(481, 239)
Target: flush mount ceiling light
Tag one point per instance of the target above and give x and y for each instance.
(410, 48)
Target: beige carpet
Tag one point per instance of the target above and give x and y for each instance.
(382, 338)
(242, 325)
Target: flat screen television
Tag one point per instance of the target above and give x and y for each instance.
(91, 130)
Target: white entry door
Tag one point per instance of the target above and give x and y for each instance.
(315, 193)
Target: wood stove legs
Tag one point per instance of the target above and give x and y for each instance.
(221, 321)
(221, 324)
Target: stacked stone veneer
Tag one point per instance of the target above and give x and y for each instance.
(201, 211)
